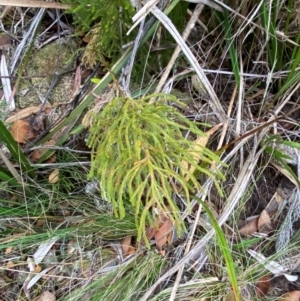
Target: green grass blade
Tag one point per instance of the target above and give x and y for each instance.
(232, 50)
(226, 250)
(295, 59)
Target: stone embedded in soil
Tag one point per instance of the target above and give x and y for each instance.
(52, 58)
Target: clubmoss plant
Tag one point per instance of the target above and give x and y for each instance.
(105, 22)
(138, 149)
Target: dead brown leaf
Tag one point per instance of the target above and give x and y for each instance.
(161, 231)
(54, 176)
(10, 264)
(125, 244)
(162, 234)
(28, 112)
(263, 286)
(291, 296)
(51, 159)
(39, 153)
(40, 222)
(76, 83)
(21, 131)
(14, 198)
(22, 114)
(37, 268)
(150, 232)
(131, 250)
(45, 296)
(250, 227)
(264, 223)
(85, 73)
(8, 250)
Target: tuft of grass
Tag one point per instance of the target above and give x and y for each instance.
(112, 283)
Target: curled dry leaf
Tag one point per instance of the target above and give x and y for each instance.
(27, 112)
(37, 277)
(76, 83)
(131, 250)
(21, 131)
(290, 278)
(264, 222)
(22, 114)
(54, 176)
(150, 232)
(162, 231)
(291, 296)
(163, 234)
(250, 227)
(126, 244)
(263, 286)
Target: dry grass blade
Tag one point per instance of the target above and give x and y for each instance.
(27, 39)
(187, 249)
(238, 190)
(142, 13)
(34, 3)
(215, 102)
(177, 50)
(6, 84)
(10, 167)
(174, 32)
(208, 3)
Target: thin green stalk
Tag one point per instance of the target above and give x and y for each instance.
(226, 251)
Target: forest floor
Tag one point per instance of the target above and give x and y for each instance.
(60, 238)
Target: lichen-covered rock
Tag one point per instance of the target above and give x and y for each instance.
(54, 58)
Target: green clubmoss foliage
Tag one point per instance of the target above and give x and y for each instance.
(138, 148)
